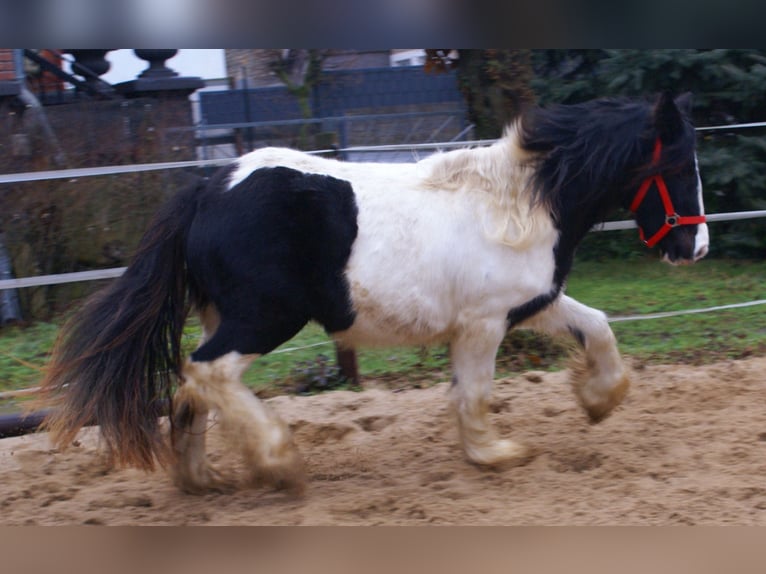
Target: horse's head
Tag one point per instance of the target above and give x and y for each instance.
(668, 202)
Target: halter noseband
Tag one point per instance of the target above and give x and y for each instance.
(672, 219)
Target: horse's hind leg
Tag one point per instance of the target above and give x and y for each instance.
(192, 471)
(250, 426)
(599, 378)
(214, 375)
(473, 355)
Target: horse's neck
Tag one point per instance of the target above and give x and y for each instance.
(582, 204)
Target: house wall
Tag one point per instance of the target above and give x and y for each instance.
(255, 64)
(7, 68)
(9, 85)
(252, 65)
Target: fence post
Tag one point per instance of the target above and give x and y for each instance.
(10, 312)
(346, 359)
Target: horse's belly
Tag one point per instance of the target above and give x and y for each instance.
(382, 320)
(388, 332)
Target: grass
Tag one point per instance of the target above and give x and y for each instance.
(644, 286)
(311, 348)
(638, 286)
(23, 354)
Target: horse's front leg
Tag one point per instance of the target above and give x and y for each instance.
(599, 377)
(473, 354)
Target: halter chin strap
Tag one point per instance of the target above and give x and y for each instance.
(672, 219)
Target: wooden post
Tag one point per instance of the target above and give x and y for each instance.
(347, 364)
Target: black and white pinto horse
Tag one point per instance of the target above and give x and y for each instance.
(454, 249)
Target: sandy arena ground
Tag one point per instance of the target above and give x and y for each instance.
(688, 446)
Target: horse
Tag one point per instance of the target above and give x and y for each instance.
(454, 249)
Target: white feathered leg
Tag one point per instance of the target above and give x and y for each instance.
(599, 377)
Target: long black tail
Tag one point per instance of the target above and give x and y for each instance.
(115, 361)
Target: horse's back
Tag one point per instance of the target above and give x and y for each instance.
(360, 174)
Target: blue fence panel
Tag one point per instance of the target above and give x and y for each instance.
(340, 92)
(343, 91)
(253, 105)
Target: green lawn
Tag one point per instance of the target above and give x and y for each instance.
(645, 286)
(637, 286)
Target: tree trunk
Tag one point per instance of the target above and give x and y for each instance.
(496, 86)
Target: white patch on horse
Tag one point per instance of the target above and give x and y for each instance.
(702, 238)
(432, 273)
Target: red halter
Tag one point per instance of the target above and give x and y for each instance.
(672, 219)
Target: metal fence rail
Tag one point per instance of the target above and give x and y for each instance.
(97, 274)
(23, 177)
(135, 168)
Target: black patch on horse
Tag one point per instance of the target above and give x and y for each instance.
(270, 254)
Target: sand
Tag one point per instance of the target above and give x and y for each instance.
(688, 446)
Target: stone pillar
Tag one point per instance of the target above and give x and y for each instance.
(165, 95)
(158, 79)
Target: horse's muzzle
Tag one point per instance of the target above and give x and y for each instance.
(698, 254)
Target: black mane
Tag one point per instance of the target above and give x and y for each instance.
(594, 154)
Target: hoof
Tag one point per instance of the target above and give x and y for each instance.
(501, 453)
(599, 411)
(597, 395)
(202, 481)
(290, 480)
(289, 474)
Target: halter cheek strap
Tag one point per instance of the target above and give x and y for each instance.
(672, 219)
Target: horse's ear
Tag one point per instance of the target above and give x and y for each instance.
(667, 118)
(684, 103)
